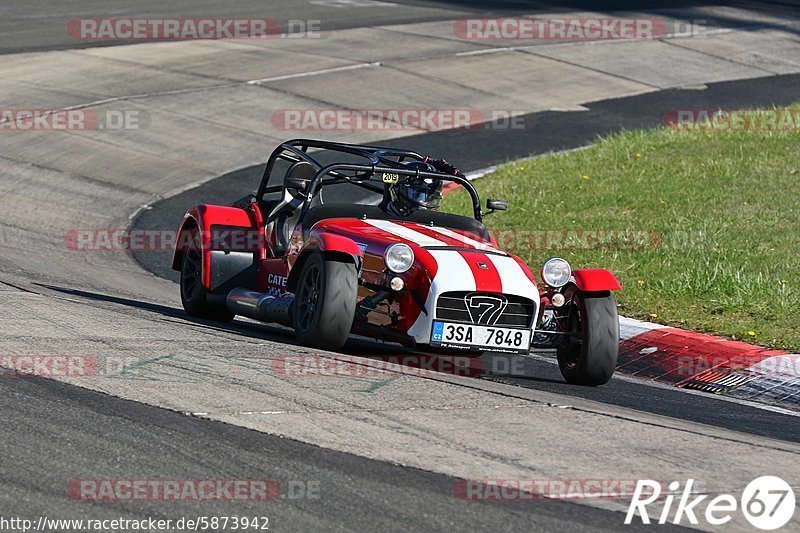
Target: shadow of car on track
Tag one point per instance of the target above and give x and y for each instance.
(384, 355)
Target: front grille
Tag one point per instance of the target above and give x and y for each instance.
(487, 309)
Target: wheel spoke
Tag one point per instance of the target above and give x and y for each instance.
(574, 336)
(191, 285)
(190, 275)
(306, 316)
(193, 261)
(307, 298)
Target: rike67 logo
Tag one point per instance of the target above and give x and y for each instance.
(768, 503)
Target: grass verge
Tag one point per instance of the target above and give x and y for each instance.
(699, 224)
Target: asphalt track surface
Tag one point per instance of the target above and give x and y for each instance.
(62, 433)
(38, 25)
(54, 432)
(545, 132)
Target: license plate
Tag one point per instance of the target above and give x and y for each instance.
(455, 335)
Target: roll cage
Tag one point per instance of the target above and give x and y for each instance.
(378, 161)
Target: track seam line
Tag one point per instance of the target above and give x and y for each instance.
(720, 58)
(596, 70)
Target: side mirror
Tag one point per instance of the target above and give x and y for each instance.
(298, 184)
(496, 205)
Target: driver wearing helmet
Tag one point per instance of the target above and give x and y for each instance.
(416, 192)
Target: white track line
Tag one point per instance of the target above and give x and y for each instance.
(314, 73)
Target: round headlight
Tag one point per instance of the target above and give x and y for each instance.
(556, 272)
(399, 257)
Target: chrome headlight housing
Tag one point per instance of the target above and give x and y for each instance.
(399, 257)
(556, 272)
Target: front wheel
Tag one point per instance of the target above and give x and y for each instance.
(589, 354)
(325, 302)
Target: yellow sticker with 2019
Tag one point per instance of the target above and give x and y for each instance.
(390, 178)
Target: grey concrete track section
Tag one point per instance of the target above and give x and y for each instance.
(206, 109)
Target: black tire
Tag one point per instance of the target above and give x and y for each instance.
(325, 302)
(194, 296)
(589, 354)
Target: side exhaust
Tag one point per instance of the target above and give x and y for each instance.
(260, 306)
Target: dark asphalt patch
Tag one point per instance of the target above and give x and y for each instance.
(55, 433)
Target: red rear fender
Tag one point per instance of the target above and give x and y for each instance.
(208, 219)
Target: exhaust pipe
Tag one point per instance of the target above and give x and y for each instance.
(260, 306)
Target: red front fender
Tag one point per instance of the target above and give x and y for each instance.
(595, 280)
(331, 242)
(327, 243)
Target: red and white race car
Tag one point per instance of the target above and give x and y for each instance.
(343, 238)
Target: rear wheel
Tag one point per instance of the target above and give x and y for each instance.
(325, 302)
(589, 354)
(194, 296)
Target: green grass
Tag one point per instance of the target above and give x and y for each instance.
(716, 213)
